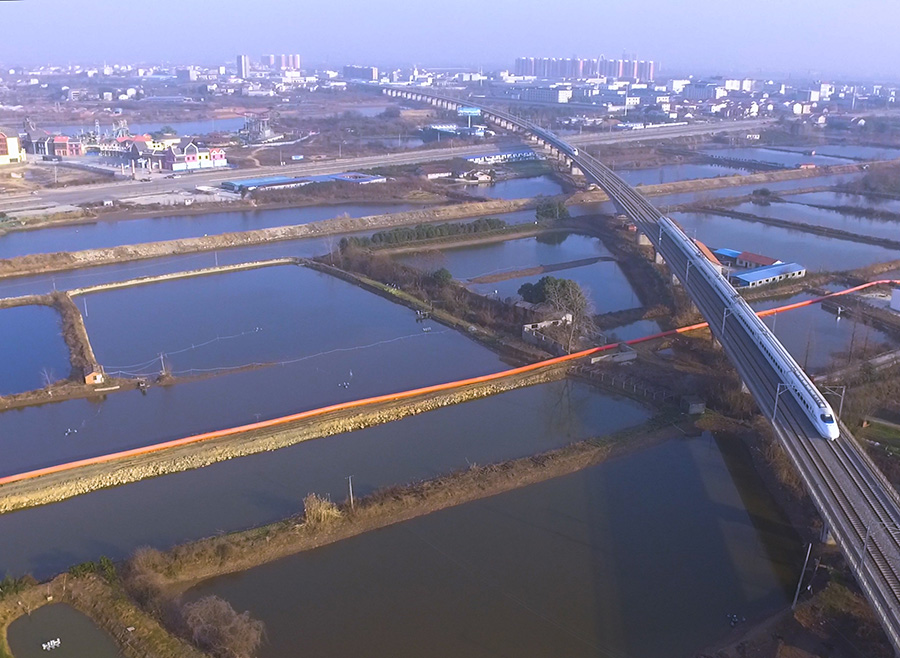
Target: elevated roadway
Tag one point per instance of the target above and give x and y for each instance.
(860, 509)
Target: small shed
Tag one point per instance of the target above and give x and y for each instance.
(95, 376)
(693, 405)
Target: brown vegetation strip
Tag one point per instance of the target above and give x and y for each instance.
(539, 269)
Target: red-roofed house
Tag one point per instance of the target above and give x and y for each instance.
(710, 256)
(749, 259)
(65, 147)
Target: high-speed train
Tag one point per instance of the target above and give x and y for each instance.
(807, 395)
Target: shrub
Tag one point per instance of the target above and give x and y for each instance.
(217, 628)
(320, 511)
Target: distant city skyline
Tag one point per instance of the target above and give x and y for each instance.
(804, 38)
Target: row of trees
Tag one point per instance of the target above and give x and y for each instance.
(551, 209)
(404, 234)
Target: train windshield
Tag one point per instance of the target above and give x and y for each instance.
(828, 418)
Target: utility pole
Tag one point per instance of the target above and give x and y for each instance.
(802, 572)
(350, 489)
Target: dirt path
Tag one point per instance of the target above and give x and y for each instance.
(539, 269)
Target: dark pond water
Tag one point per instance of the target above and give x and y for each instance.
(817, 339)
(608, 287)
(322, 328)
(262, 488)
(32, 351)
(634, 330)
(676, 172)
(78, 635)
(816, 252)
(517, 188)
(796, 212)
(606, 562)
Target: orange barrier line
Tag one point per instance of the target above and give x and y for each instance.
(353, 404)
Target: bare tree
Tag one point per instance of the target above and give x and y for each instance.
(217, 628)
(567, 297)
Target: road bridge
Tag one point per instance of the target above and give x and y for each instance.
(860, 509)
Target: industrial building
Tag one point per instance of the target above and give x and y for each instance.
(763, 276)
(506, 156)
(367, 73)
(287, 182)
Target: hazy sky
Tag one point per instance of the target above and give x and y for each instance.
(806, 37)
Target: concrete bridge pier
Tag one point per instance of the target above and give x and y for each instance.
(825, 536)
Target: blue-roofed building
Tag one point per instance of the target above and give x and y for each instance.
(728, 256)
(764, 276)
(284, 182)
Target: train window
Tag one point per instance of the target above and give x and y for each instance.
(828, 418)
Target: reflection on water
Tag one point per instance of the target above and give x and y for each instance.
(795, 212)
(643, 556)
(604, 281)
(263, 488)
(814, 337)
(78, 636)
(517, 188)
(676, 172)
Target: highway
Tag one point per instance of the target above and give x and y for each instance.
(123, 189)
(860, 509)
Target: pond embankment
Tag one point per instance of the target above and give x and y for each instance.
(64, 481)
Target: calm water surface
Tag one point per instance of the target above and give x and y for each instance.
(602, 562)
(778, 157)
(262, 488)
(852, 151)
(608, 287)
(322, 328)
(816, 252)
(844, 199)
(31, 349)
(134, 231)
(817, 339)
(79, 636)
(517, 188)
(796, 212)
(676, 172)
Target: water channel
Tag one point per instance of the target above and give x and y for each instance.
(606, 561)
(262, 488)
